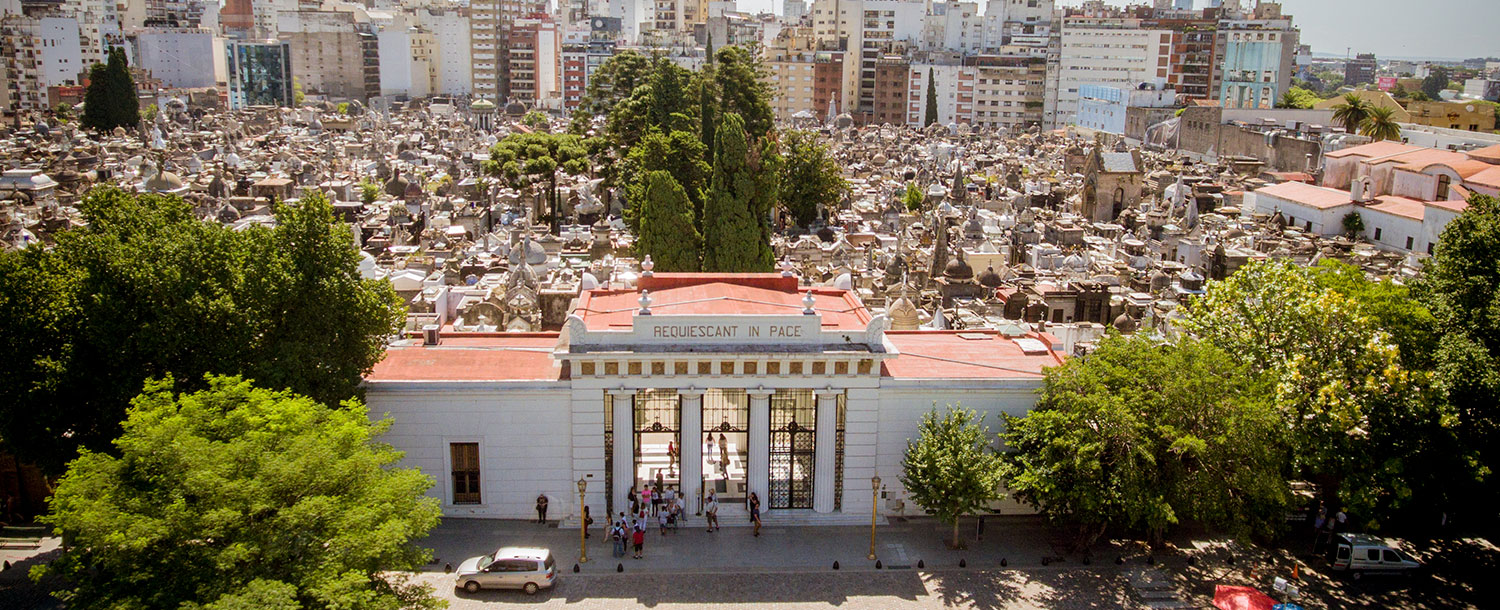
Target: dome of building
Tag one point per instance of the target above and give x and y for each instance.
(515, 109)
(1124, 323)
(1160, 281)
(903, 314)
(529, 252)
(163, 182)
(396, 186)
(990, 279)
(482, 106)
(958, 269)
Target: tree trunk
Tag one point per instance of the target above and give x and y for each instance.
(556, 223)
(958, 543)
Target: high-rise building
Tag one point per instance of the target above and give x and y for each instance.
(490, 23)
(333, 53)
(179, 57)
(793, 10)
(535, 62)
(1008, 91)
(259, 73)
(1254, 58)
(1360, 70)
(1110, 51)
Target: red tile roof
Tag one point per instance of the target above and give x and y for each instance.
(1488, 153)
(1489, 177)
(475, 357)
(1452, 206)
(1320, 197)
(1398, 206)
(721, 294)
(1372, 150)
(966, 354)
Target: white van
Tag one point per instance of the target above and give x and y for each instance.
(527, 569)
(1361, 554)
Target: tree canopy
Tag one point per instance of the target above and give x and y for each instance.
(240, 497)
(666, 232)
(527, 159)
(810, 179)
(1140, 434)
(110, 100)
(1435, 82)
(1351, 112)
(931, 115)
(736, 223)
(679, 153)
(951, 470)
(146, 290)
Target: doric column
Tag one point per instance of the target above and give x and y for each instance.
(624, 450)
(825, 450)
(758, 476)
(690, 448)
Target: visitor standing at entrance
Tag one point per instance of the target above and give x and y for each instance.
(755, 512)
(638, 536)
(712, 455)
(645, 499)
(617, 535)
(671, 457)
(635, 502)
(711, 509)
(541, 508)
(587, 521)
(723, 454)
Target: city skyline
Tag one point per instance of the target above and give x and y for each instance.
(1325, 25)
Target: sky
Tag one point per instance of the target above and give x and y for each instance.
(1437, 29)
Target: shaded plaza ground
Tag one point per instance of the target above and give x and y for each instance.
(791, 567)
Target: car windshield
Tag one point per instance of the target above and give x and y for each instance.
(485, 561)
(550, 562)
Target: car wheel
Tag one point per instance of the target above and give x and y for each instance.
(530, 588)
(1356, 575)
(471, 586)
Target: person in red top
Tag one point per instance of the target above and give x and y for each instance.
(638, 535)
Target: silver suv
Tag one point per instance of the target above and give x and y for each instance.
(527, 569)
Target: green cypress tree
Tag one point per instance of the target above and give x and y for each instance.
(125, 106)
(732, 234)
(667, 233)
(96, 106)
(932, 115)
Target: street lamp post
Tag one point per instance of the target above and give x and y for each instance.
(583, 526)
(874, 511)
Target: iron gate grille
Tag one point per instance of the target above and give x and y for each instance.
(838, 461)
(656, 411)
(609, 454)
(793, 415)
(726, 411)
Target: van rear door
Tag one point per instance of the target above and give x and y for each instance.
(1341, 557)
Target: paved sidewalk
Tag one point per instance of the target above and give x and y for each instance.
(1021, 542)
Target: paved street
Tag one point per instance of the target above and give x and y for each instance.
(894, 589)
(1019, 541)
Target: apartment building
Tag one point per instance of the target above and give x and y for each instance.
(954, 83)
(1255, 56)
(1107, 51)
(20, 45)
(892, 89)
(333, 53)
(791, 66)
(1008, 91)
(490, 23)
(259, 73)
(535, 62)
(180, 57)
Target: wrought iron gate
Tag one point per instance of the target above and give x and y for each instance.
(793, 438)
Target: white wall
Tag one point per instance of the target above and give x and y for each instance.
(902, 405)
(61, 54)
(1393, 230)
(394, 43)
(453, 57)
(179, 59)
(524, 436)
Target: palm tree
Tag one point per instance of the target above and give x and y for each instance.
(1352, 112)
(1379, 125)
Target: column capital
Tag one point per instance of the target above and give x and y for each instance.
(691, 392)
(621, 392)
(828, 393)
(760, 392)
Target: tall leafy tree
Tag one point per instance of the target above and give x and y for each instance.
(735, 233)
(667, 232)
(612, 82)
(98, 111)
(240, 497)
(527, 160)
(121, 88)
(708, 103)
(147, 290)
(679, 153)
(932, 111)
(1140, 435)
(741, 81)
(1379, 124)
(1336, 370)
(1435, 82)
(810, 179)
(1462, 288)
(1351, 112)
(951, 470)
(1392, 307)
